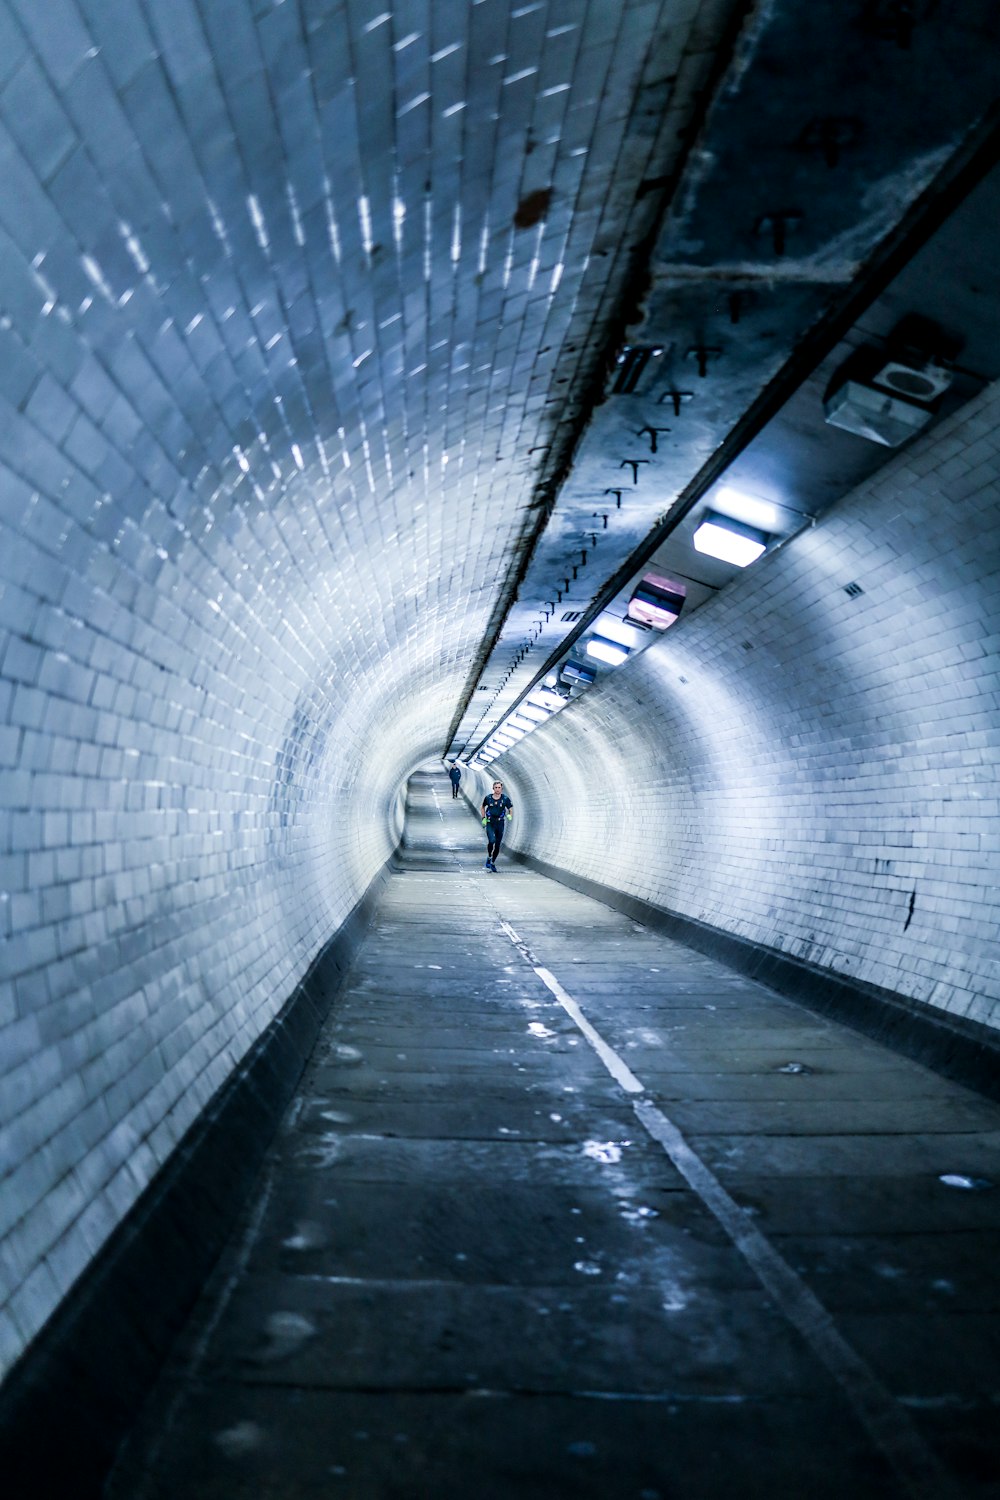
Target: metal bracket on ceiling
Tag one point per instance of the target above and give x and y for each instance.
(779, 224)
(703, 353)
(738, 302)
(618, 497)
(830, 135)
(677, 398)
(654, 433)
(633, 464)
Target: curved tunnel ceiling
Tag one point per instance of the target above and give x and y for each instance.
(307, 306)
(801, 196)
(311, 275)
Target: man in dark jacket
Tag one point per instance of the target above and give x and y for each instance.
(497, 808)
(455, 776)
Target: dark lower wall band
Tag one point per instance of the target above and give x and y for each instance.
(66, 1406)
(963, 1050)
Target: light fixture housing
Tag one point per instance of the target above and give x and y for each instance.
(546, 699)
(874, 414)
(612, 653)
(656, 602)
(915, 376)
(728, 540)
(574, 672)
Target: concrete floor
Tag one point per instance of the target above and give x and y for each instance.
(482, 1265)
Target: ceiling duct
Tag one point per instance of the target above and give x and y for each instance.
(630, 365)
(874, 414)
(915, 378)
(888, 395)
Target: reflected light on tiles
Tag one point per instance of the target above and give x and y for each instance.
(257, 219)
(365, 219)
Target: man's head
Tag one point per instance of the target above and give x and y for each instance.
(497, 787)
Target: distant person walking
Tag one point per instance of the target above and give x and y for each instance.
(497, 808)
(455, 776)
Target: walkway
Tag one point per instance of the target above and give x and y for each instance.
(564, 1209)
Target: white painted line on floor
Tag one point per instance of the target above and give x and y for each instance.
(619, 1070)
(888, 1425)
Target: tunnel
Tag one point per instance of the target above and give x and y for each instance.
(601, 397)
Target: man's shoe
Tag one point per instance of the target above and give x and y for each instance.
(493, 866)
(489, 866)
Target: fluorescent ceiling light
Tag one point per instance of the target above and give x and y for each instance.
(729, 541)
(533, 711)
(611, 627)
(518, 721)
(607, 651)
(746, 508)
(572, 671)
(656, 601)
(515, 734)
(544, 699)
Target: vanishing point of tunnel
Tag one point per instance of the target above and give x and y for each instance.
(597, 397)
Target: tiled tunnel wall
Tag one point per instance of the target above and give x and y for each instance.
(252, 394)
(192, 810)
(811, 770)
